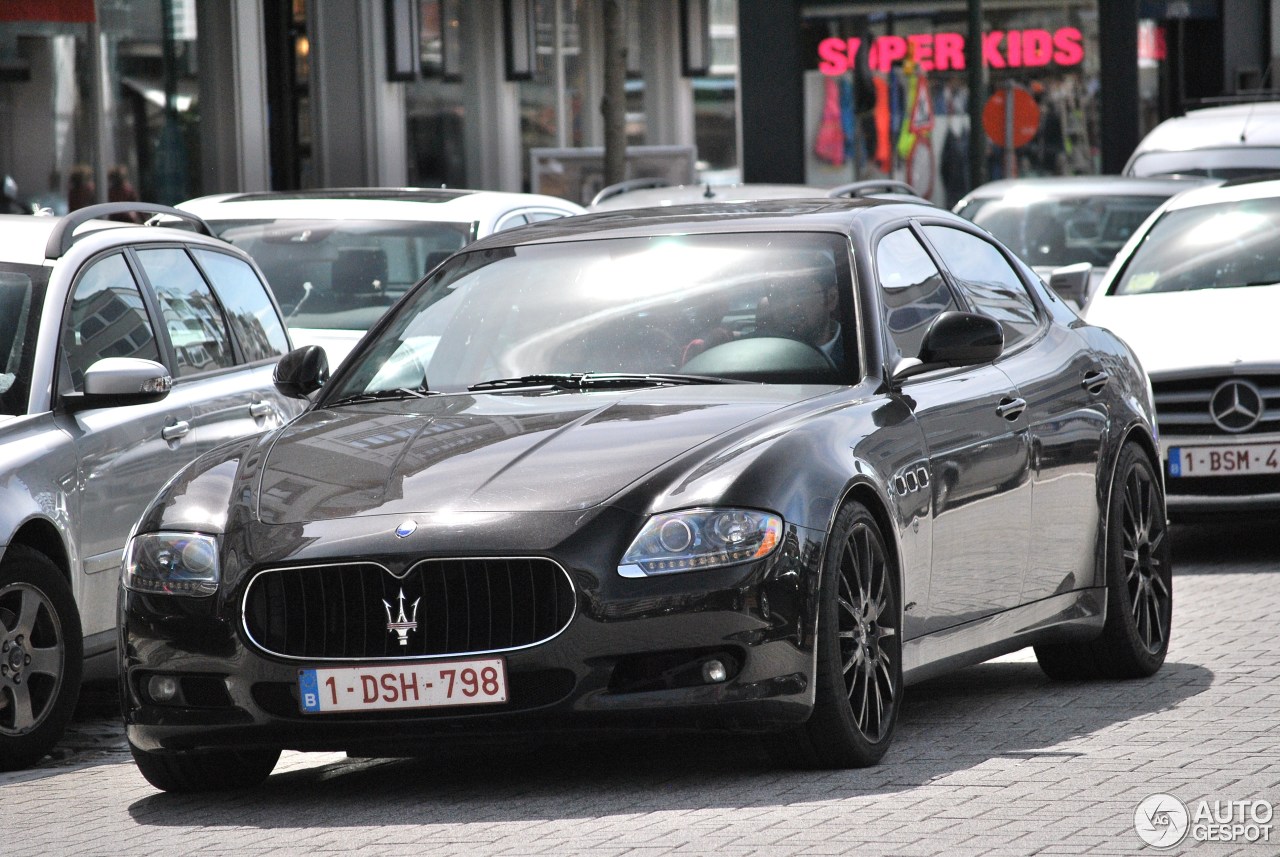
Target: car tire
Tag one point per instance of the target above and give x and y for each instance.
(859, 660)
(41, 656)
(1139, 575)
(205, 770)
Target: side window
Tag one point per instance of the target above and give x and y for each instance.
(106, 318)
(190, 312)
(911, 289)
(511, 220)
(988, 280)
(253, 318)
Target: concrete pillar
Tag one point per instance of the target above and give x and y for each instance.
(358, 115)
(233, 86)
(491, 127)
(668, 95)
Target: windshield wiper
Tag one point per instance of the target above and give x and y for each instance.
(598, 380)
(385, 395)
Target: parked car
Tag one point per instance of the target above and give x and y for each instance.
(127, 352)
(337, 258)
(1225, 142)
(649, 192)
(1075, 222)
(1196, 293)
(757, 470)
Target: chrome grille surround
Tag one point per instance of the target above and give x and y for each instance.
(353, 623)
(1183, 404)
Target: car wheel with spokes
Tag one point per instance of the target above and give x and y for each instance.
(859, 662)
(40, 656)
(1139, 575)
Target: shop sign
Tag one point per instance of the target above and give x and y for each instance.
(945, 51)
(61, 11)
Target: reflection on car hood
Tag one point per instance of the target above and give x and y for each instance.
(1173, 331)
(494, 453)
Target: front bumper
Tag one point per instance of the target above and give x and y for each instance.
(627, 661)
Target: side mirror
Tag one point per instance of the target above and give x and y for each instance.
(115, 381)
(1071, 282)
(955, 339)
(302, 371)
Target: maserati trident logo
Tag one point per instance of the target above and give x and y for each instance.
(1236, 406)
(401, 625)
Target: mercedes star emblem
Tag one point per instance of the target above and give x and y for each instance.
(1236, 406)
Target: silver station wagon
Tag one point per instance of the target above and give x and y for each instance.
(125, 352)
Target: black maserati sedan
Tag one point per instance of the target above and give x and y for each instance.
(752, 467)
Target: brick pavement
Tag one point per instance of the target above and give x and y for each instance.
(994, 759)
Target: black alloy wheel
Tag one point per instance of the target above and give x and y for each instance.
(859, 663)
(40, 657)
(1139, 576)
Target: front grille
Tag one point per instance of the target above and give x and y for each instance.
(1182, 405)
(450, 607)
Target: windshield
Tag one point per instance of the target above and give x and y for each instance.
(1052, 232)
(342, 274)
(765, 307)
(1231, 162)
(21, 297)
(1207, 247)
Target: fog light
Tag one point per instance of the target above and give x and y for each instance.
(713, 671)
(162, 688)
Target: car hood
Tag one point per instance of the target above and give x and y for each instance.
(1206, 328)
(531, 451)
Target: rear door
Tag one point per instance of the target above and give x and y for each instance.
(1062, 384)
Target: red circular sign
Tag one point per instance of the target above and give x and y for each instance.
(1026, 117)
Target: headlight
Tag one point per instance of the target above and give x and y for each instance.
(172, 564)
(695, 539)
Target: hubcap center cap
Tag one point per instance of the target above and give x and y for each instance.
(16, 657)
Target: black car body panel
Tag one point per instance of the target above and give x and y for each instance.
(993, 517)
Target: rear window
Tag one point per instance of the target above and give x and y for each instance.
(1236, 162)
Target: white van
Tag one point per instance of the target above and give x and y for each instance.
(1226, 142)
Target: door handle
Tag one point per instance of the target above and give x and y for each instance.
(1095, 380)
(180, 429)
(1011, 408)
(259, 409)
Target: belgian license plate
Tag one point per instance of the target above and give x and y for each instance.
(434, 684)
(1258, 458)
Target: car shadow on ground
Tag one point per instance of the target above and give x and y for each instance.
(947, 725)
(1225, 547)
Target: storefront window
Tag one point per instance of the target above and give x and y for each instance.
(141, 55)
(715, 99)
(551, 101)
(887, 95)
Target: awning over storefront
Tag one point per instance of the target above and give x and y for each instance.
(60, 11)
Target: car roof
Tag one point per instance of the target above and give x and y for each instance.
(771, 215)
(1108, 185)
(693, 194)
(1226, 126)
(25, 239)
(416, 204)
